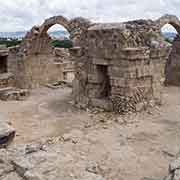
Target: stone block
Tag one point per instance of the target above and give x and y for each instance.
(160, 52)
(10, 93)
(93, 90)
(76, 51)
(144, 71)
(116, 71)
(6, 79)
(102, 103)
(118, 82)
(135, 53)
(7, 133)
(123, 91)
(97, 61)
(93, 78)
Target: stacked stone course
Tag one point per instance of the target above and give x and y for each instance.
(122, 66)
(118, 66)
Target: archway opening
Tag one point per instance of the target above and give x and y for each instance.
(169, 33)
(3, 64)
(172, 67)
(60, 36)
(61, 42)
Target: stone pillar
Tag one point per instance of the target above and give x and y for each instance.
(173, 64)
(131, 79)
(158, 58)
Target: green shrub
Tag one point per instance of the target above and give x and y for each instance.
(10, 42)
(62, 43)
(169, 40)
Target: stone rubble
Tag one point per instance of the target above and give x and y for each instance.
(44, 161)
(7, 133)
(10, 93)
(174, 170)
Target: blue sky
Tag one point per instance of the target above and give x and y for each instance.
(19, 15)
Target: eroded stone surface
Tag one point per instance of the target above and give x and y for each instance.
(122, 66)
(119, 65)
(174, 170)
(7, 133)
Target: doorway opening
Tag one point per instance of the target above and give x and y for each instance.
(104, 80)
(3, 64)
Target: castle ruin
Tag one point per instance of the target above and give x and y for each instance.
(117, 66)
(121, 65)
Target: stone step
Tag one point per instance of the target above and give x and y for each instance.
(59, 84)
(7, 133)
(10, 93)
(5, 76)
(6, 80)
(6, 89)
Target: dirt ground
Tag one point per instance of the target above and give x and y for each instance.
(46, 113)
(134, 146)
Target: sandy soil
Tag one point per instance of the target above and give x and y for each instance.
(134, 146)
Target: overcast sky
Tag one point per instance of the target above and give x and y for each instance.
(19, 15)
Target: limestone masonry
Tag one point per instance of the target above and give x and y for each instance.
(116, 66)
(120, 66)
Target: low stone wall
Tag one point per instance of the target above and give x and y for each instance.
(38, 70)
(7, 80)
(34, 70)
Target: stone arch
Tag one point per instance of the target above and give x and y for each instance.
(44, 40)
(169, 19)
(76, 24)
(172, 65)
(48, 23)
(37, 39)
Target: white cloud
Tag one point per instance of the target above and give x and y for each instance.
(168, 28)
(23, 14)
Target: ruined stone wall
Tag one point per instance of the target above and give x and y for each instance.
(173, 64)
(15, 66)
(40, 70)
(7, 78)
(33, 70)
(118, 66)
(122, 67)
(36, 62)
